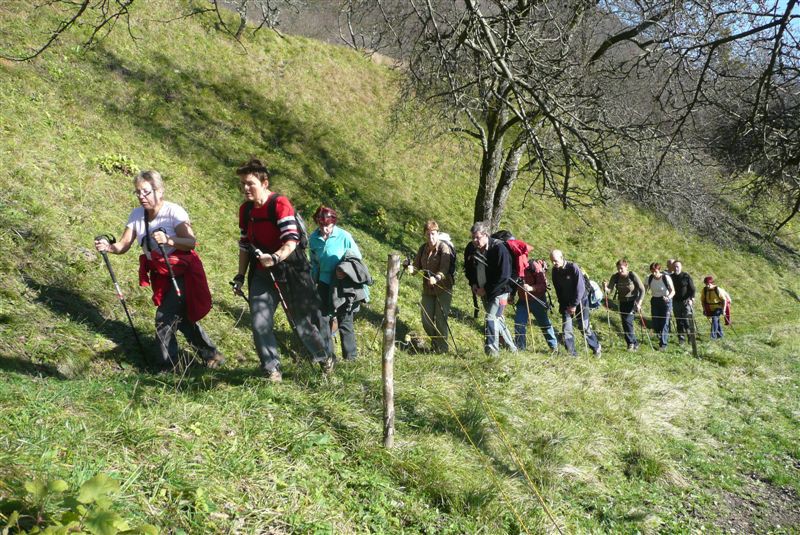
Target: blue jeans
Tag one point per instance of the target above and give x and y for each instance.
(496, 324)
(661, 311)
(716, 325)
(582, 322)
(539, 312)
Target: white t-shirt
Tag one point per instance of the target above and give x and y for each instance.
(169, 216)
(661, 287)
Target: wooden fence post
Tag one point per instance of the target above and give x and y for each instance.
(389, 324)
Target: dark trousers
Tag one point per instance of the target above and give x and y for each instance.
(581, 320)
(628, 316)
(170, 318)
(683, 313)
(344, 320)
(661, 311)
(304, 313)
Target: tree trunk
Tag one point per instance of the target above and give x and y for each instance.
(491, 163)
(508, 176)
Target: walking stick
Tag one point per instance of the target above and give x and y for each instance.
(166, 260)
(284, 306)
(646, 331)
(111, 239)
(608, 311)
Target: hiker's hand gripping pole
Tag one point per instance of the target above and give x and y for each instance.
(166, 260)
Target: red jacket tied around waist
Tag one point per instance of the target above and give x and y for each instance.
(186, 264)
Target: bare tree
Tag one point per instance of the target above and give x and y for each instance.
(575, 88)
(102, 16)
(505, 74)
(728, 82)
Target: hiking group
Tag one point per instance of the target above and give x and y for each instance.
(320, 281)
(499, 271)
(319, 293)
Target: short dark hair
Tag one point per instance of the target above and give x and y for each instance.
(254, 167)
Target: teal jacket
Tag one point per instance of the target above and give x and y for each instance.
(326, 254)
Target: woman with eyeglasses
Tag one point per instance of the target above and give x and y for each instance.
(164, 232)
(328, 245)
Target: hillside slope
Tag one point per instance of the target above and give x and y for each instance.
(630, 442)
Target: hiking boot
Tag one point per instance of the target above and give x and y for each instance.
(274, 376)
(599, 351)
(662, 348)
(327, 366)
(633, 347)
(216, 361)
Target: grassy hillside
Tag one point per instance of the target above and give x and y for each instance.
(640, 442)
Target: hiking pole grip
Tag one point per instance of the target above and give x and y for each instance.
(110, 239)
(166, 261)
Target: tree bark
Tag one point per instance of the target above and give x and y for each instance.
(491, 163)
(508, 176)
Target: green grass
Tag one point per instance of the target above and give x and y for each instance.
(628, 443)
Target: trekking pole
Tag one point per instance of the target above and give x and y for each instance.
(449, 330)
(166, 260)
(240, 292)
(693, 333)
(730, 321)
(530, 324)
(111, 239)
(646, 331)
(284, 306)
(608, 312)
(583, 328)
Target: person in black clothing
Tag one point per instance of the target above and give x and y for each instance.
(489, 272)
(573, 300)
(682, 303)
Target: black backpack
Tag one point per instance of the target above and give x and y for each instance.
(271, 202)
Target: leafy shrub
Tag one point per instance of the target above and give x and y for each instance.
(89, 510)
(116, 163)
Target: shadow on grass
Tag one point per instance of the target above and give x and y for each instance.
(218, 124)
(792, 294)
(68, 303)
(18, 365)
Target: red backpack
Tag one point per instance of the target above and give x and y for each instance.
(519, 254)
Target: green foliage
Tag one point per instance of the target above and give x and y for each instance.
(116, 163)
(89, 510)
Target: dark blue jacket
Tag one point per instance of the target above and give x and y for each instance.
(569, 286)
(498, 269)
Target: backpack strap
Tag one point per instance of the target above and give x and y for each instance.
(146, 240)
(272, 201)
(634, 277)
